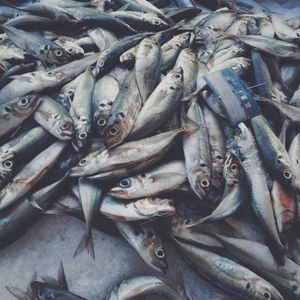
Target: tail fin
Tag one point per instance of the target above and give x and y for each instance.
(188, 125)
(16, 292)
(87, 244)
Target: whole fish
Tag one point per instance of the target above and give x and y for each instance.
(105, 160)
(159, 180)
(30, 175)
(54, 118)
(145, 285)
(227, 274)
(197, 153)
(81, 108)
(260, 196)
(141, 209)
(147, 243)
(15, 112)
(161, 103)
(37, 45)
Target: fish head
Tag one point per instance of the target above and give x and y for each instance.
(74, 50)
(154, 206)
(85, 165)
(206, 34)
(283, 163)
(262, 290)
(155, 250)
(183, 39)
(158, 23)
(6, 165)
(232, 170)
(126, 186)
(56, 55)
(82, 128)
(65, 128)
(23, 106)
(49, 78)
(101, 117)
(175, 79)
(181, 222)
(189, 54)
(101, 64)
(116, 131)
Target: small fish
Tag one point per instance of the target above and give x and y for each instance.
(15, 112)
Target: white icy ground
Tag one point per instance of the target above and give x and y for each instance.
(56, 237)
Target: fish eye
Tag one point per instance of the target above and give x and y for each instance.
(233, 167)
(172, 87)
(219, 156)
(24, 101)
(114, 131)
(156, 22)
(267, 295)
(160, 253)
(248, 286)
(177, 76)
(58, 53)
(70, 50)
(65, 126)
(82, 135)
(202, 165)
(287, 175)
(101, 63)
(8, 164)
(187, 221)
(40, 293)
(7, 109)
(185, 37)
(46, 48)
(204, 183)
(101, 122)
(70, 93)
(82, 162)
(125, 183)
(50, 73)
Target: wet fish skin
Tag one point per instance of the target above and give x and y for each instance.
(109, 159)
(105, 92)
(15, 112)
(148, 61)
(54, 118)
(272, 150)
(227, 274)
(81, 108)
(197, 153)
(140, 209)
(147, 243)
(146, 285)
(160, 104)
(159, 180)
(33, 172)
(124, 113)
(260, 196)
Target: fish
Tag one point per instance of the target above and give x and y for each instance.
(197, 153)
(90, 197)
(49, 287)
(81, 108)
(148, 61)
(227, 274)
(15, 112)
(144, 285)
(30, 174)
(140, 209)
(37, 45)
(147, 243)
(55, 119)
(162, 102)
(159, 180)
(250, 160)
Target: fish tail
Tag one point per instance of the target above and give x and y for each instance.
(87, 244)
(188, 125)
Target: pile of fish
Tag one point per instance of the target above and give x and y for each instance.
(106, 104)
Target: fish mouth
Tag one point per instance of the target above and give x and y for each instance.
(77, 172)
(117, 192)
